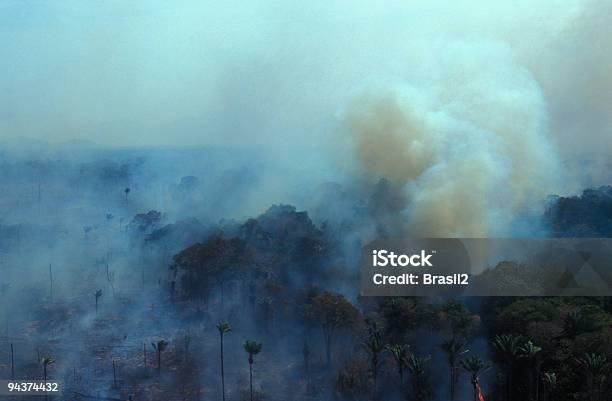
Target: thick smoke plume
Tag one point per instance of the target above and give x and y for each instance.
(467, 142)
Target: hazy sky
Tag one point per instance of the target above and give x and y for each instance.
(275, 72)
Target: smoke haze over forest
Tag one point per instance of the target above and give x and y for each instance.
(167, 165)
(474, 94)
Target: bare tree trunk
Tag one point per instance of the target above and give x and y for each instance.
(114, 375)
(222, 371)
(50, 282)
(12, 362)
(251, 378)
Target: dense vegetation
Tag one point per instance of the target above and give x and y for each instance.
(136, 303)
(371, 348)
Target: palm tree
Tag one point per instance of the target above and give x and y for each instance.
(223, 328)
(508, 345)
(453, 348)
(400, 353)
(159, 347)
(252, 348)
(416, 366)
(98, 294)
(530, 351)
(374, 346)
(594, 366)
(550, 383)
(127, 192)
(475, 366)
(46, 361)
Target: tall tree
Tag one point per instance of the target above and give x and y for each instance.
(453, 348)
(159, 347)
(530, 352)
(400, 354)
(594, 366)
(98, 294)
(508, 347)
(416, 366)
(12, 362)
(333, 312)
(374, 346)
(223, 328)
(252, 348)
(46, 361)
(550, 384)
(475, 366)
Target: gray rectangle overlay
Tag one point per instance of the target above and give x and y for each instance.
(487, 267)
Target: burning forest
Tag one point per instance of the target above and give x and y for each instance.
(187, 190)
(135, 305)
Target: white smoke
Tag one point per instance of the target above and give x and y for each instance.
(467, 141)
